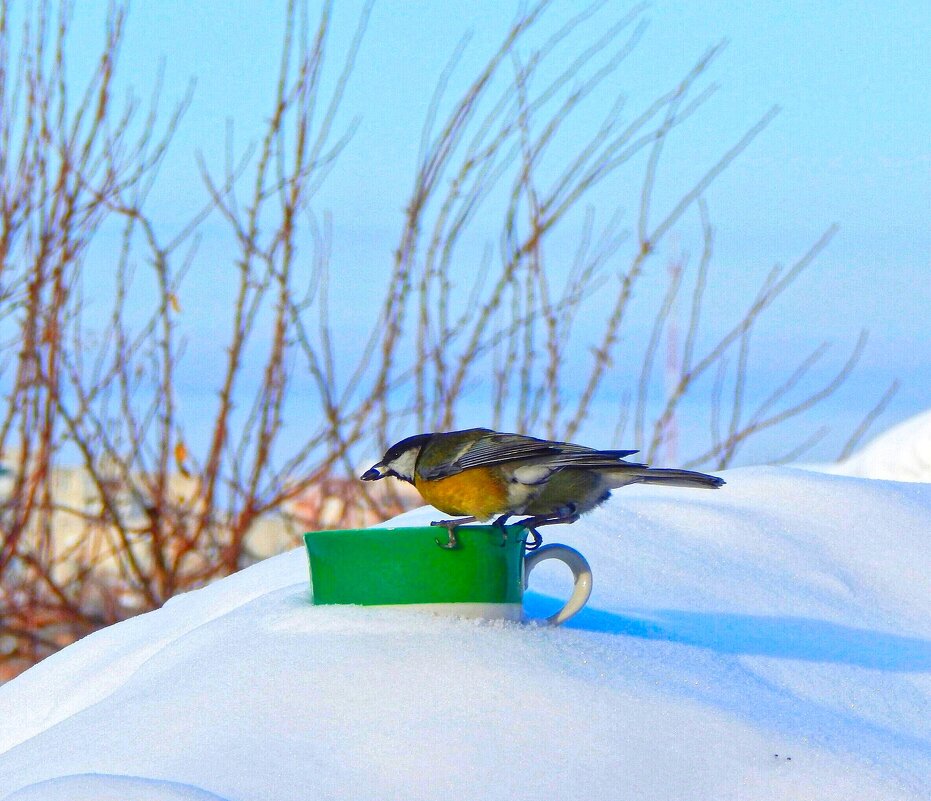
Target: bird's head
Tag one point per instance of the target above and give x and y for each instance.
(399, 460)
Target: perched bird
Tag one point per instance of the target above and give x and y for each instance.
(479, 474)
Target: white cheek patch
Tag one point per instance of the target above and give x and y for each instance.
(404, 464)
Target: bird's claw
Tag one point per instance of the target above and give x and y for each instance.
(565, 514)
(501, 522)
(450, 527)
(450, 544)
(534, 541)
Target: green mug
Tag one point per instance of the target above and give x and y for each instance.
(483, 577)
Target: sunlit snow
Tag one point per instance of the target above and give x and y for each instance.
(769, 640)
(903, 453)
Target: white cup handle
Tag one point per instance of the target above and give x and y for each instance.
(581, 573)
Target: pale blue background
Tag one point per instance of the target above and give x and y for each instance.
(852, 145)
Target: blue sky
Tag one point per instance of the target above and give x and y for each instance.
(852, 145)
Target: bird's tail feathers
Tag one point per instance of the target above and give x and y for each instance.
(679, 478)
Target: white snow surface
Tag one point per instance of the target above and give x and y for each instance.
(769, 640)
(903, 453)
(102, 787)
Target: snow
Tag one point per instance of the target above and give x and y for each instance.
(769, 640)
(903, 453)
(97, 787)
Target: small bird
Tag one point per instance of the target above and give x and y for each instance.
(479, 474)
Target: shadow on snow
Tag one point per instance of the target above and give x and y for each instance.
(757, 635)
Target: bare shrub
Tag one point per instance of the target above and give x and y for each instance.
(107, 510)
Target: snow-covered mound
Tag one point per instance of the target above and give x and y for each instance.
(97, 787)
(903, 453)
(770, 640)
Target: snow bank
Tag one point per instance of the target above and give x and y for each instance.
(99, 787)
(771, 640)
(903, 453)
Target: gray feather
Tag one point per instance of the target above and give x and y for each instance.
(494, 449)
(676, 478)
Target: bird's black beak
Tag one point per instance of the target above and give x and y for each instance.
(372, 474)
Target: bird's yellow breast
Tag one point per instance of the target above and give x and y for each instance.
(478, 492)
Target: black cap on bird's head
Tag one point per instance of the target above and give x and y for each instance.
(399, 460)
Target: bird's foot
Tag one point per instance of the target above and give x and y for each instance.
(500, 523)
(451, 526)
(535, 540)
(564, 514)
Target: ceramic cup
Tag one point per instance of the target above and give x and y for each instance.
(483, 577)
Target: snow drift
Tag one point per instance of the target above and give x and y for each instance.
(771, 640)
(903, 453)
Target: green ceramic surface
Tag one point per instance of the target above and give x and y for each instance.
(406, 566)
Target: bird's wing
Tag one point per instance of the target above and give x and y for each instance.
(494, 449)
(595, 459)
